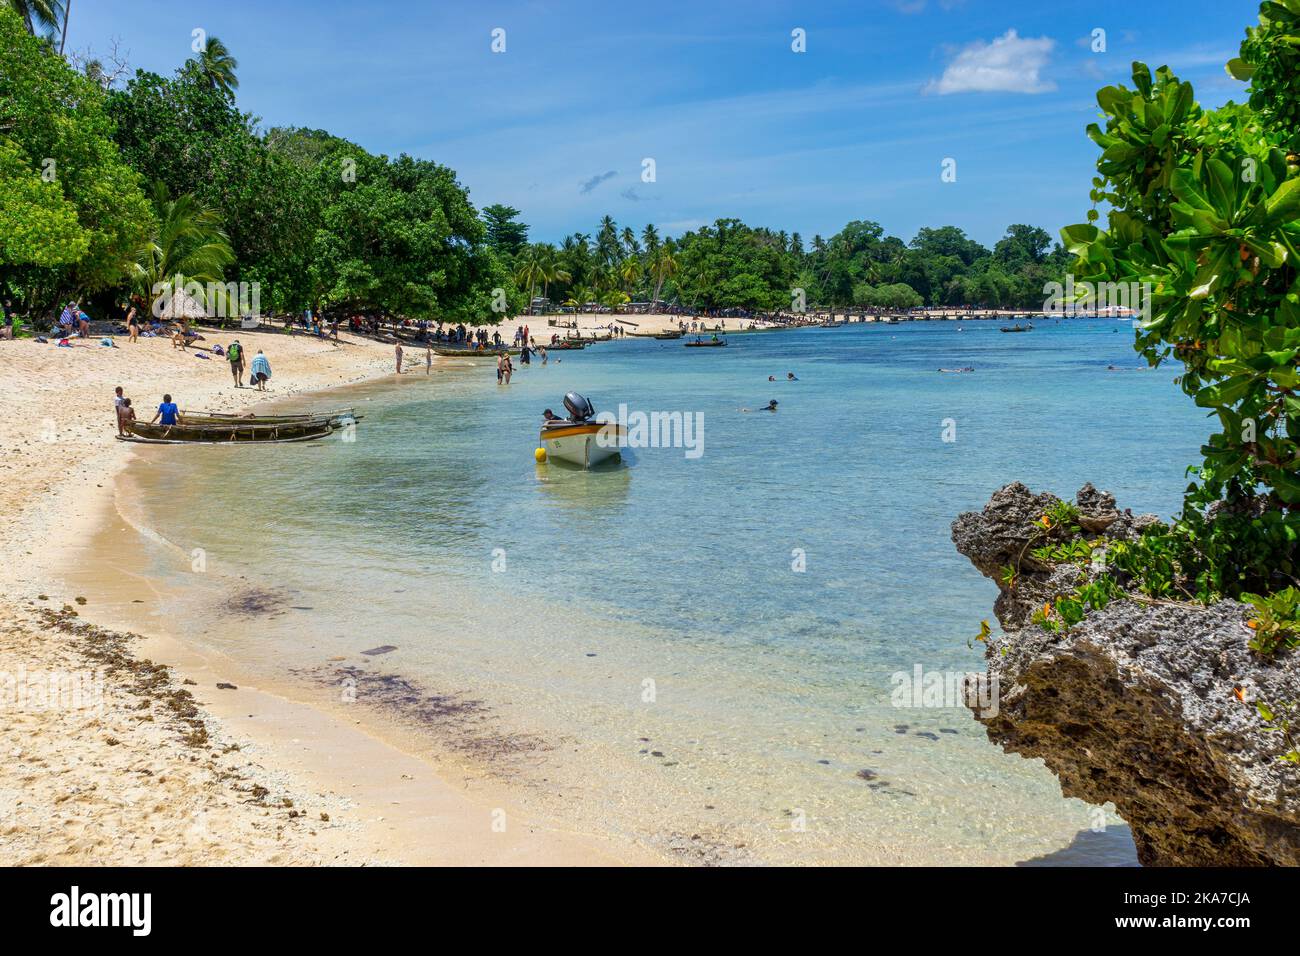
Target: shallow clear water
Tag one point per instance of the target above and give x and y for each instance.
(646, 623)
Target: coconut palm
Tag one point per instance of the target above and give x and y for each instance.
(650, 237)
(662, 266)
(613, 299)
(578, 298)
(529, 272)
(607, 241)
(188, 247)
(629, 270)
(217, 66)
(552, 271)
(45, 14)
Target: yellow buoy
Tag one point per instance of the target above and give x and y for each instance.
(540, 454)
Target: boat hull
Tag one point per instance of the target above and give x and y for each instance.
(227, 433)
(582, 445)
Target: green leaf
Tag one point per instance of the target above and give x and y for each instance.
(1239, 69)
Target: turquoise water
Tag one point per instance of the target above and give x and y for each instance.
(655, 607)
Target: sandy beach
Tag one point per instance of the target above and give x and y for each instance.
(146, 758)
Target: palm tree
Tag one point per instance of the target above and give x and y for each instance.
(45, 14)
(650, 236)
(551, 271)
(579, 296)
(67, 12)
(217, 66)
(629, 270)
(662, 266)
(613, 299)
(188, 245)
(529, 272)
(607, 241)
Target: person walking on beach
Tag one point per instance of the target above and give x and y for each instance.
(7, 332)
(168, 412)
(235, 356)
(132, 324)
(397, 350)
(428, 357)
(260, 371)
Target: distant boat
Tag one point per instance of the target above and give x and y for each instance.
(700, 343)
(667, 335)
(1018, 328)
(232, 432)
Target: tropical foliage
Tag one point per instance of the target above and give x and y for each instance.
(1204, 216)
(319, 222)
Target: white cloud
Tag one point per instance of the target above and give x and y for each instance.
(1010, 64)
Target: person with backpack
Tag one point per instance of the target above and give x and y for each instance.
(235, 356)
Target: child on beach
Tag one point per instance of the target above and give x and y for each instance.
(167, 411)
(124, 414)
(118, 401)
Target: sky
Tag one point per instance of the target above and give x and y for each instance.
(796, 116)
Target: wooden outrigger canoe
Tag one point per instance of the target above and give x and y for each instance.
(473, 353)
(336, 418)
(225, 432)
(701, 344)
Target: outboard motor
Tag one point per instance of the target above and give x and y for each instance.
(580, 409)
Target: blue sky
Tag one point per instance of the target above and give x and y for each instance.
(737, 123)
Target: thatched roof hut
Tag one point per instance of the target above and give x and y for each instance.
(182, 307)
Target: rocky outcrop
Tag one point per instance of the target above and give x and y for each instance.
(1151, 707)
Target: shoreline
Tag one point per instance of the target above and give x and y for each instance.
(338, 793)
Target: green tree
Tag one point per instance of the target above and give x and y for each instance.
(505, 233)
(188, 248)
(53, 118)
(1204, 219)
(45, 15)
(217, 67)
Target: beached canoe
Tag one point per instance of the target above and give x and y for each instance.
(472, 353)
(337, 418)
(225, 433)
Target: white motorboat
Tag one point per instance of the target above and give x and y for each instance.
(579, 439)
